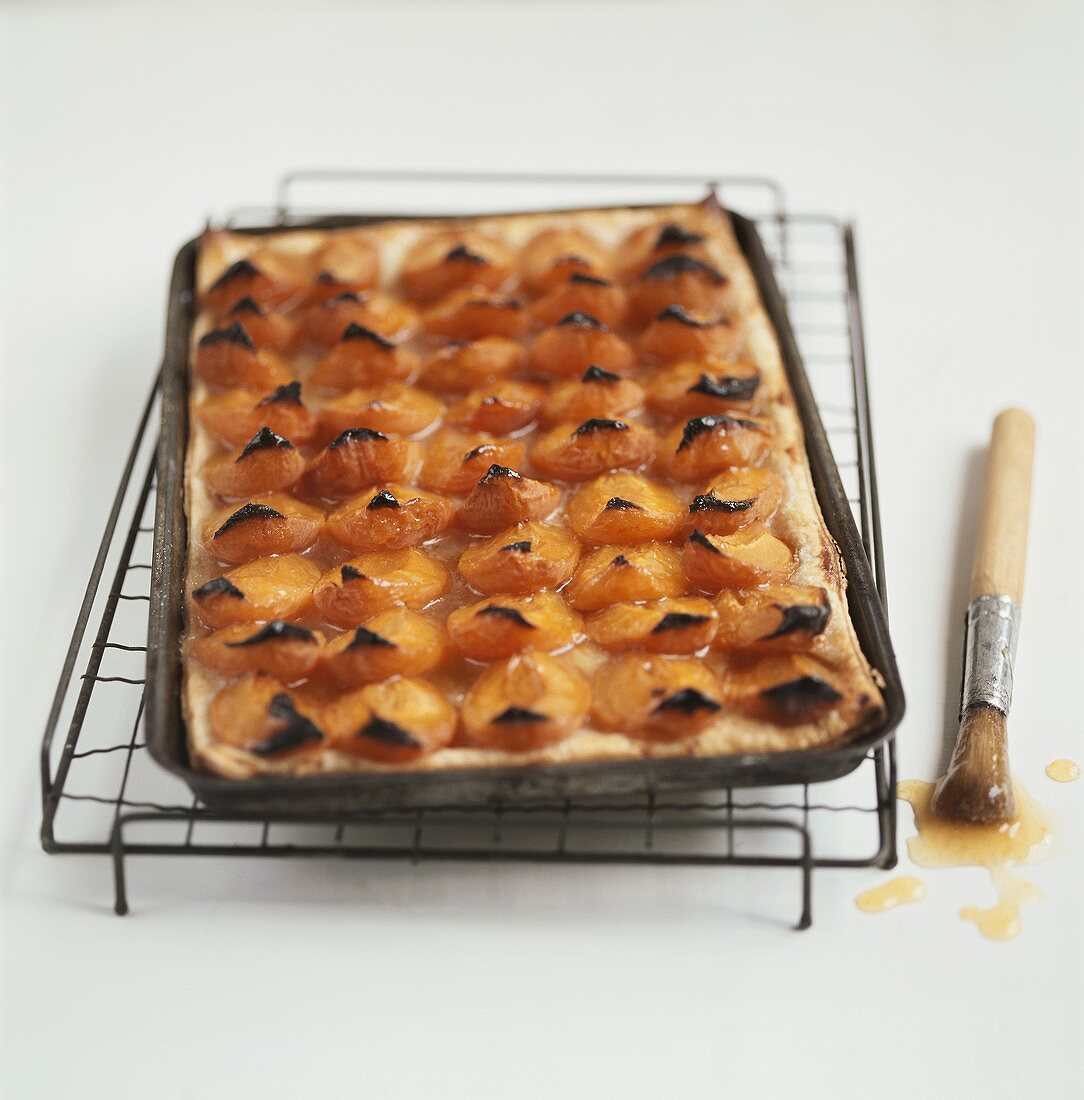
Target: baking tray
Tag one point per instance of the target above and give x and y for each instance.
(338, 794)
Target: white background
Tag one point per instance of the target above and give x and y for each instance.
(952, 131)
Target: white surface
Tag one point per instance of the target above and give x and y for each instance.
(953, 132)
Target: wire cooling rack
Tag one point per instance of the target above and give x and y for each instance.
(103, 795)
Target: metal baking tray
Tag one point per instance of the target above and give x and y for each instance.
(339, 794)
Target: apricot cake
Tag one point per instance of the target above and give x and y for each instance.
(517, 489)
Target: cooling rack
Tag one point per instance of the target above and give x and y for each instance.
(103, 795)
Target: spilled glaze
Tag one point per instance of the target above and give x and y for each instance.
(902, 890)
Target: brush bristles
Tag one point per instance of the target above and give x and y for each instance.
(977, 788)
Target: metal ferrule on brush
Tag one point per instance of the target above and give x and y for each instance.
(993, 627)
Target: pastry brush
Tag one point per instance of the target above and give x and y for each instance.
(977, 788)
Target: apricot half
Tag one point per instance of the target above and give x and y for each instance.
(681, 625)
(675, 334)
(363, 357)
(284, 650)
(582, 293)
(520, 560)
(785, 617)
(260, 715)
(237, 415)
(455, 461)
(454, 259)
(786, 689)
(498, 407)
(740, 560)
(678, 280)
(471, 314)
(325, 322)
(576, 452)
(707, 444)
(527, 702)
(244, 279)
(624, 507)
(612, 574)
(271, 523)
(394, 722)
(265, 464)
(360, 457)
(393, 517)
(277, 587)
(735, 499)
(656, 698)
(503, 497)
(394, 643)
(598, 394)
(577, 342)
(386, 407)
(267, 328)
(461, 367)
(228, 357)
(550, 257)
(349, 594)
(499, 626)
(701, 389)
(644, 246)
(346, 264)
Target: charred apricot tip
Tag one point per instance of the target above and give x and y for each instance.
(688, 701)
(462, 252)
(289, 394)
(246, 306)
(234, 333)
(709, 502)
(698, 425)
(521, 547)
(346, 296)
(384, 499)
(511, 716)
(808, 619)
(273, 630)
(240, 269)
(598, 374)
(248, 512)
(585, 279)
(678, 620)
(600, 424)
(795, 695)
(674, 234)
(700, 539)
(297, 730)
(364, 638)
(354, 331)
(678, 313)
(355, 435)
(620, 504)
(265, 440)
(220, 586)
(385, 732)
(579, 319)
(349, 573)
(620, 561)
(679, 264)
(740, 389)
(496, 471)
(511, 614)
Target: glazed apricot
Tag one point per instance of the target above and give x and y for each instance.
(499, 626)
(394, 643)
(702, 389)
(582, 293)
(576, 342)
(363, 357)
(678, 280)
(265, 464)
(503, 497)
(675, 334)
(520, 560)
(576, 452)
(394, 722)
(527, 702)
(598, 394)
(267, 328)
(284, 650)
(681, 625)
(788, 688)
(325, 322)
(360, 457)
(461, 367)
(271, 523)
(227, 357)
(387, 407)
(653, 242)
(455, 259)
(498, 407)
(656, 698)
(258, 714)
(780, 616)
(472, 314)
(244, 279)
(349, 594)
(344, 265)
(613, 574)
(735, 499)
(277, 587)
(237, 415)
(552, 256)
(392, 517)
(707, 444)
(740, 560)
(455, 461)
(624, 507)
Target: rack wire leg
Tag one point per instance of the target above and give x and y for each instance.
(116, 850)
(806, 919)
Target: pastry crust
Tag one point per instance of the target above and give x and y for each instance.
(798, 521)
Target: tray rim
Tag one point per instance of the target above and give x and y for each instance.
(460, 787)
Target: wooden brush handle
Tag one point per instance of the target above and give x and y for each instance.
(1001, 551)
